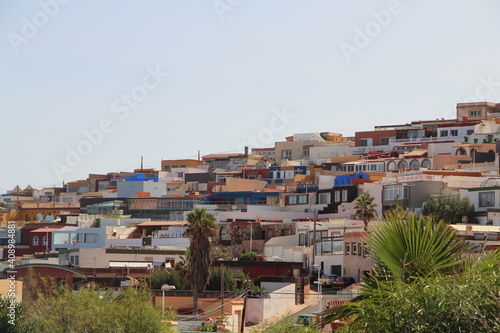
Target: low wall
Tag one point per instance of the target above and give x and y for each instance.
(260, 309)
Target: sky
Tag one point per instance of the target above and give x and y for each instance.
(91, 86)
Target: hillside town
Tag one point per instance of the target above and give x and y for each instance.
(288, 232)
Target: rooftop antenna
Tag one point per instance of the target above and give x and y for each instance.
(142, 160)
(198, 155)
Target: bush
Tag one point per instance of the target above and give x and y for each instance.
(250, 255)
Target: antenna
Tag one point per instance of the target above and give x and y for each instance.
(142, 160)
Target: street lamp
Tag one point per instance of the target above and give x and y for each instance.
(314, 236)
(164, 288)
(46, 238)
(320, 287)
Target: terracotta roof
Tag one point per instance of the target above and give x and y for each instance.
(161, 223)
(417, 153)
(343, 159)
(45, 230)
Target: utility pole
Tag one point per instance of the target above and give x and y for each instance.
(315, 211)
(142, 160)
(222, 291)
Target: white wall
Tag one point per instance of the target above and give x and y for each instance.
(260, 309)
(130, 189)
(441, 148)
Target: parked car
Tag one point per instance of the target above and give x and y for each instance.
(313, 275)
(343, 282)
(308, 320)
(328, 279)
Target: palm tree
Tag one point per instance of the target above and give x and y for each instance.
(414, 246)
(404, 249)
(365, 209)
(201, 228)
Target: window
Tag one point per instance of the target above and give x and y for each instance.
(443, 133)
(398, 192)
(366, 254)
(347, 248)
(337, 196)
(384, 141)
(324, 198)
(474, 113)
(35, 240)
(286, 154)
(426, 164)
(414, 165)
(363, 143)
(91, 238)
(286, 232)
(74, 260)
(45, 240)
(359, 249)
(354, 249)
(302, 199)
(292, 200)
(305, 152)
(183, 165)
(487, 199)
(454, 132)
(102, 185)
(344, 195)
(469, 132)
(175, 165)
(302, 239)
(166, 168)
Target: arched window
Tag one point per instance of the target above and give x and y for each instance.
(39, 217)
(461, 151)
(45, 240)
(403, 165)
(414, 165)
(222, 234)
(426, 164)
(391, 166)
(35, 240)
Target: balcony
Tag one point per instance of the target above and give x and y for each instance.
(415, 140)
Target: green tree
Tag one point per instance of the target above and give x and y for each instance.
(284, 324)
(249, 255)
(449, 209)
(405, 252)
(13, 317)
(365, 209)
(468, 302)
(201, 229)
(172, 277)
(214, 280)
(415, 246)
(93, 311)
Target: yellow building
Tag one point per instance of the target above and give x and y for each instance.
(12, 289)
(167, 165)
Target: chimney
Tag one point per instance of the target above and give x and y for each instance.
(246, 151)
(466, 119)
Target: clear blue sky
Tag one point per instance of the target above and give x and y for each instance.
(229, 65)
